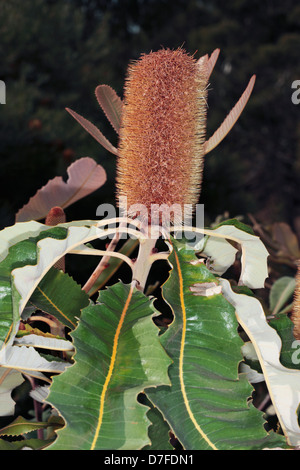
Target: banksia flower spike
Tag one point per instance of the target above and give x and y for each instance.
(161, 125)
(55, 216)
(162, 135)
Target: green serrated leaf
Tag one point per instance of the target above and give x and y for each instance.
(118, 354)
(23, 426)
(24, 444)
(59, 295)
(207, 406)
(159, 430)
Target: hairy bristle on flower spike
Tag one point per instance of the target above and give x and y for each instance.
(162, 133)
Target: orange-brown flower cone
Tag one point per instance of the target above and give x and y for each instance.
(295, 317)
(162, 135)
(55, 216)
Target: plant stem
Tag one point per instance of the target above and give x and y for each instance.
(104, 261)
(145, 259)
(264, 402)
(38, 410)
(146, 256)
(102, 265)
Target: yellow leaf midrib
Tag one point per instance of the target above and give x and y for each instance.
(55, 306)
(181, 357)
(111, 368)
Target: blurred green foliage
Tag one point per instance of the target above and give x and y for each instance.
(54, 53)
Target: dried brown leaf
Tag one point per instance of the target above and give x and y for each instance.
(84, 177)
(94, 131)
(286, 239)
(230, 119)
(111, 104)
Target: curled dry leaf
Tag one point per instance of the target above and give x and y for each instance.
(84, 177)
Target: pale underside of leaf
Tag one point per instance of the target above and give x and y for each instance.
(19, 284)
(283, 383)
(20, 254)
(27, 278)
(44, 342)
(254, 254)
(20, 231)
(25, 358)
(221, 254)
(84, 177)
(9, 379)
(40, 393)
(252, 375)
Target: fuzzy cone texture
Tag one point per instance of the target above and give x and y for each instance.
(162, 134)
(55, 216)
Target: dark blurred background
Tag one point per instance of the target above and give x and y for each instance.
(54, 53)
